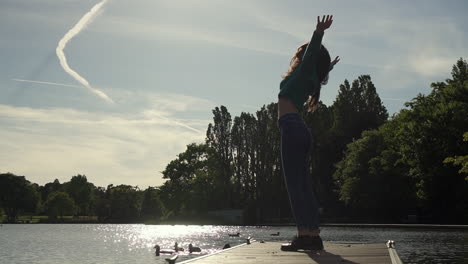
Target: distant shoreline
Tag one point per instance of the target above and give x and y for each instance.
(350, 225)
(366, 225)
(419, 226)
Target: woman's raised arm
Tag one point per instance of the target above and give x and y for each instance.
(314, 44)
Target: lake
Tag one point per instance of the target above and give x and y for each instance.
(127, 243)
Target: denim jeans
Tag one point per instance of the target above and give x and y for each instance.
(296, 141)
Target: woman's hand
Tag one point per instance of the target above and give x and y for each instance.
(335, 61)
(325, 23)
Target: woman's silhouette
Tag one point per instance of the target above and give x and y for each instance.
(299, 89)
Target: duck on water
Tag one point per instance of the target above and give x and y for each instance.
(176, 249)
(192, 249)
(160, 251)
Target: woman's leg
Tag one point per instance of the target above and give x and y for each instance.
(295, 146)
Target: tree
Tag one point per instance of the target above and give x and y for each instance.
(189, 186)
(357, 108)
(218, 137)
(152, 207)
(243, 148)
(416, 142)
(371, 178)
(17, 195)
(82, 193)
(125, 203)
(240, 162)
(60, 204)
(431, 130)
(102, 204)
(48, 188)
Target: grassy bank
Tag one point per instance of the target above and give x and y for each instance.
(179, 220)
(39, 219)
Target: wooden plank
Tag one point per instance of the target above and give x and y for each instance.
(269, 252)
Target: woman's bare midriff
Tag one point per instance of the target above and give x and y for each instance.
(285, 106)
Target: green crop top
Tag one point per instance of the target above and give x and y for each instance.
(303, 81)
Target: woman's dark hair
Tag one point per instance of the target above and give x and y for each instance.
(322, 68)
(323, 65)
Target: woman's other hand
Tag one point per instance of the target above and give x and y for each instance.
(335, 61)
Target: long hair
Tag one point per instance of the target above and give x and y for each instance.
(323, 68)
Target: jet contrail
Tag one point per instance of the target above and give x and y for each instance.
(179, 123)
(71, 85)
(48, 83)
(184, 125)
(84, 21)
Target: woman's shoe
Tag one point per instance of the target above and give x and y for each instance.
(304, 243)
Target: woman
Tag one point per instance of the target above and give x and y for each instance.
(301, 85)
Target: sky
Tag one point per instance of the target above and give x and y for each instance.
(116, 89)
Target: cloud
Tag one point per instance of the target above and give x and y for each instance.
(427, 47)
(44, 144)
(426, 65)
(249, 40)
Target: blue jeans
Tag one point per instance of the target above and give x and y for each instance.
(296, 141)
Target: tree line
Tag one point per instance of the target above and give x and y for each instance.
(77, 197)
(366, 166)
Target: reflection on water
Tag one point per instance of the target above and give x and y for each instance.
(134, 243)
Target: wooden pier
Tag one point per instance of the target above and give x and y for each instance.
(269, 252)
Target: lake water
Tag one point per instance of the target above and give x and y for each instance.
(107, 243)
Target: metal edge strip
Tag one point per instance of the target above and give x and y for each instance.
(212, 254)
(393, 253)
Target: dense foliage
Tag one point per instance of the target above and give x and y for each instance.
(403, 166)
(59, 204)
(78, 197)
(17, 195)
(365, 166)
